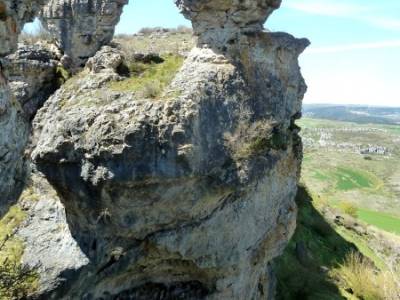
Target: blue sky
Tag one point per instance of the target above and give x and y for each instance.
(355, 52)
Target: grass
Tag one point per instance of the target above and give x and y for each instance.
(345, 178)
(341, 175)
(16, 281)
(316, 248)
(348, 208)
(348, 179)
(179, 42)
(362, 246)
(381, 220)
(360, 276)
(324, 262)
(150, 80)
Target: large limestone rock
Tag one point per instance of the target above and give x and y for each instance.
(48, 245)
(31, 78)
(192, 195)
(13, 15)
(219, 22)
(82, 27)
(14, 129)
(32, 74)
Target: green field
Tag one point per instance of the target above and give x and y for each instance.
(336, 174)
(346, 179)
(381, 220)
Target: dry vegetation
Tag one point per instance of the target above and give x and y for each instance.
(149, 80)
(361, 278)
(157, 40)
(16, 280)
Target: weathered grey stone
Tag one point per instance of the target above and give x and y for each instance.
(107, 60)
(82, 27)
(190, 195)
(32, 74)
(14, 129)
(187, 197)
(13, 15)
(49, 248)
(219, 22)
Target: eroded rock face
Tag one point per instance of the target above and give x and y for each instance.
(13, 15)
(32, 75)
(219, 22)
(14, 132)
(82, 27)
(14, 129)
(49, 246)
(192, 195)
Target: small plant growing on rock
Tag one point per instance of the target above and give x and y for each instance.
(104, 216)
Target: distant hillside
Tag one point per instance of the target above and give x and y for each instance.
(353, 113)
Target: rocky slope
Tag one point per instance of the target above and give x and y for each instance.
(188, 194)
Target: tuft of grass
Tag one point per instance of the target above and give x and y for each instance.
(255, 139)
(150, 80)
(360, 278)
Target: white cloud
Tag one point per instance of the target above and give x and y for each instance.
(352, 87)
(387, 23)
(325, 7)
(351, 47)
(364, 13)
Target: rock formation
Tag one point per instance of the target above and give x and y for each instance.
(32, 75)
(220, 22)
(192, 195)
(14, 129)
(188, 196)
(82, 27)
(13, 15)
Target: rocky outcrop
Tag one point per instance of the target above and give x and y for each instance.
(49, 247)
(32, 75)
(14, 129)
(13, 15)
(82, 27)
(31, 78)
(192, 195)
(219, 23)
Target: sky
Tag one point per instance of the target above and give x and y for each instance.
(354, 57)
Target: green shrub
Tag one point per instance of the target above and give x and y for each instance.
(349, 209)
